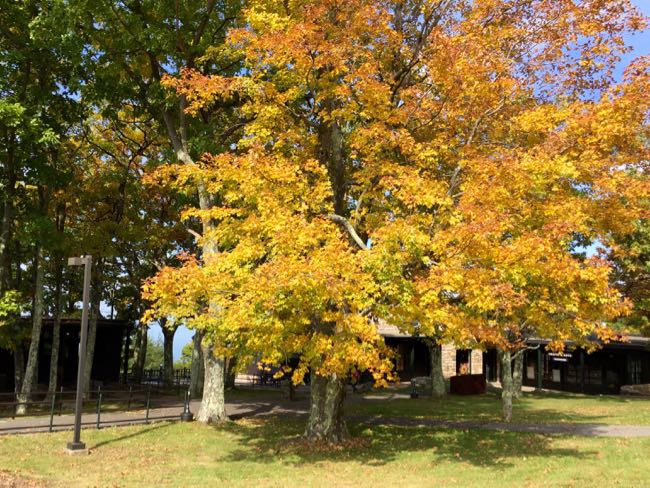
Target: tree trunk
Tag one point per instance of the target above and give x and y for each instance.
(506, 384)
(19, 368)
(31, 370)
(95, 300)
(213, 402)
(197, 368)
(230, 372)
(168, 353)
(326, 421)
(140, 353)
(56, 329)
(438, 388)
(517, 374)
(213, 405)
(6, 233)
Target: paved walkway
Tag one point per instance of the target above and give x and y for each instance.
(260, 407)
(169, 411)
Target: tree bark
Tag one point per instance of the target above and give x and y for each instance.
(56, 329)
(213, 405)
(326, 422)
(438, 387)
(6, 233)
(168, 353)
(213, 402)
(505, 358)
(230, 372)
(197, 368)
(95, 300)
(517, 374)
(31, 370)
(19, 368)
(140, 353)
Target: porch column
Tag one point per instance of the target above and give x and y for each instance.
(582, 370)
(538, 372)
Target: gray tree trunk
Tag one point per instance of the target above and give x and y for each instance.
(230, 372)
(31, 370)
(326, 422)
(213, 405)
(213, 402)
(168, 353)
(19, 368)
(58, 304)
(140, 353)
(56, 331)
(507, 386)
(6, 233)
(438, 387)
(95, 300)
(197, 368)
(517, 374)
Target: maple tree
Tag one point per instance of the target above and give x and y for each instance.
(431, 163)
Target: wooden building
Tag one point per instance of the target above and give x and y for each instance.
(413, 357)
(605, 370)
(109, 362)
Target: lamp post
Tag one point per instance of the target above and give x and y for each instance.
(76, 445)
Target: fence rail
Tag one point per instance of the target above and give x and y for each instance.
(97, 402)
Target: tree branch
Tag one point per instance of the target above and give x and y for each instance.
(348, 227)
(196, 235)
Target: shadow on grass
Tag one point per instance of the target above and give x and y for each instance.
(266, 441)
(137, 433)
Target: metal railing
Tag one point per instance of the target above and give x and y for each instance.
(97, 401)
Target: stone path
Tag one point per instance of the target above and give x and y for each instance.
(259, 407)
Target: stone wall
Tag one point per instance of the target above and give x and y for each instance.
(449, 361)
(477, 361)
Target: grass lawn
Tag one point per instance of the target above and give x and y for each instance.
(266, 452)
(531, 408)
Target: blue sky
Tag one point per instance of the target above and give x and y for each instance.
(641, 46)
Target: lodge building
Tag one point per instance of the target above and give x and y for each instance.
(109, 361)
(603, 371)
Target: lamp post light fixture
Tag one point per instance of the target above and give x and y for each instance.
(76, 445)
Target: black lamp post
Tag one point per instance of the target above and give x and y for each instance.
(187, 416)
(76, 445)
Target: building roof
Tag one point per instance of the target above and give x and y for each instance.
(388, 330)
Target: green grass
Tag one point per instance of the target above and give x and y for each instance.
(266, 453)
(531, 408)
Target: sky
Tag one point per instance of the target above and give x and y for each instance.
(640, 44)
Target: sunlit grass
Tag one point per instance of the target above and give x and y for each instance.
(268, 453)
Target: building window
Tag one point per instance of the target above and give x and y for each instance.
(463, 361)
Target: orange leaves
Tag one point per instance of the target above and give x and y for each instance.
(456, 143)
(200, 90)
